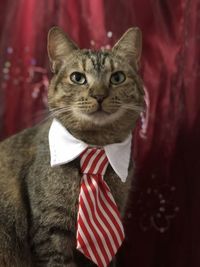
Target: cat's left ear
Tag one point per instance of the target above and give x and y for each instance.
(130, 46)
(59, 46)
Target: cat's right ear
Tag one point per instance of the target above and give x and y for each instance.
(59, 46)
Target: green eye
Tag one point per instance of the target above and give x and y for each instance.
(78, 78)
(117, 78)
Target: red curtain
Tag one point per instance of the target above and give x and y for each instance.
(163, 218)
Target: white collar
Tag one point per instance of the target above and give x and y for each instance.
(64, 148)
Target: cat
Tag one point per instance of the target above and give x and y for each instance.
(98, 97)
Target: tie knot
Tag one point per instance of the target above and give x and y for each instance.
(93, 161)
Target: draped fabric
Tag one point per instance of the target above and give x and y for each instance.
(163, 219)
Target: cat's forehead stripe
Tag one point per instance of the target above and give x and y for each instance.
(111, 65)
(84, 64)
(97, 58)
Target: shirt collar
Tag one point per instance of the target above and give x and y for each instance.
(64, 148)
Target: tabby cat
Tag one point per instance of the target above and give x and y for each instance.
(97, 96)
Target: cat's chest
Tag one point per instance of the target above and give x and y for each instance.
(54, 192)
(64, 182)
(55, 184)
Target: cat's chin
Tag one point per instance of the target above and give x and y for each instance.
(100, 118)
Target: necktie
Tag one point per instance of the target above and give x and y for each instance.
(99, 229)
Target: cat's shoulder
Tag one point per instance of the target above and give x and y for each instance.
(24, 144)
(16, 155)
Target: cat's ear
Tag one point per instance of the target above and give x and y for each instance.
(59, 45)
(130, 45)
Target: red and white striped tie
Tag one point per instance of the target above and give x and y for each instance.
(99, 228)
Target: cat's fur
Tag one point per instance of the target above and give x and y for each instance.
(38, 203)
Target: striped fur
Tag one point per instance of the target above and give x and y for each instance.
(38, 204)
(77, 104)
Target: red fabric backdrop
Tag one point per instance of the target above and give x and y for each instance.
(163, 219)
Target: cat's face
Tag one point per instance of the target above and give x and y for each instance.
(95, 89)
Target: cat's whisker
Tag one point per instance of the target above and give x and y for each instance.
(115, 106)
(60, 109)
(133, 108)
(41, 114)
(46, 118)
(82, 106)
(55, 112)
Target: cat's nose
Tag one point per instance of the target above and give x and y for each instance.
(98, 93)
(99, 98)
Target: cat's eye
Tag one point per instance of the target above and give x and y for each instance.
(117, 78)
(78, 78)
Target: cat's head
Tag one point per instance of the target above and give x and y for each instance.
(95, 90)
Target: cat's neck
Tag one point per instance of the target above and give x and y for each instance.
(100, 137)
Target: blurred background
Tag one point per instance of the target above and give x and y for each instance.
(163, 218)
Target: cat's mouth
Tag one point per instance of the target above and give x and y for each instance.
(100, 114)
(102, 117)
(100, 110)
